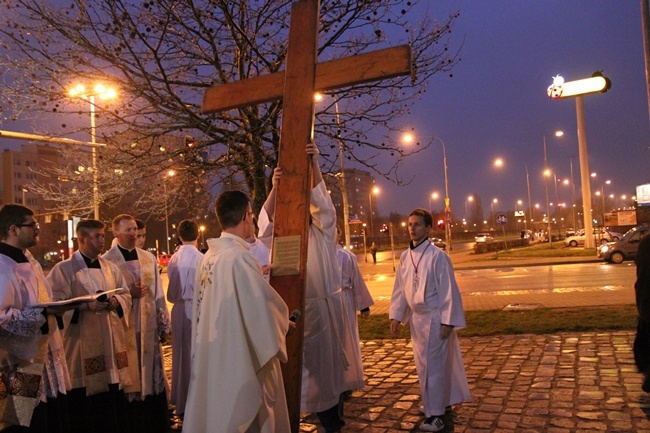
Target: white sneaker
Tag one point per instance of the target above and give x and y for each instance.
(433, 423)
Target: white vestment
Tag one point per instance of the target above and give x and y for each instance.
(33, 363)
(99, 348)
(239, 327)
(324, 357)
(180, 292)
(356, 297)
(149, 317)
(428, 298)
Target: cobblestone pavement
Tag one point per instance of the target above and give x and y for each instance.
(569, 382)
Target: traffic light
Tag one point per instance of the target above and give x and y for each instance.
(384, 228)
(441, 223)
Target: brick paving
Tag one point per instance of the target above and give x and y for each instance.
(567, 382)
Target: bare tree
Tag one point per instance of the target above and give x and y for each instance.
(161, 56)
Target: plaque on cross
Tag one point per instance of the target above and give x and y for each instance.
(296, 86)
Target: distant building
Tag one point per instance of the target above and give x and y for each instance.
(18, 170)
(361, 201)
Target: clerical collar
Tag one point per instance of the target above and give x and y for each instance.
(128, 255)
(90, 263)
(415, 246)
(15, 254)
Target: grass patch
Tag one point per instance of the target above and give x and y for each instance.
(538, 321)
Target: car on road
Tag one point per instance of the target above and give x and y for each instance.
(626, 248)
(483, 238)
(439, 243)
(163, 259)
(605, 236)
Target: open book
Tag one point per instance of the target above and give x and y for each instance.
(78, 299)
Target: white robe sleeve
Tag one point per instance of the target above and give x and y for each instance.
(399, 308)
(265, 226)
(450, 301)
(361, 293)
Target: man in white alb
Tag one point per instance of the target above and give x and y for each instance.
(324, 358)
(239, 329)
(426, 295)
(180, 292)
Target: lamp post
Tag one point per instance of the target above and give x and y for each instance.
(202, 229)
(101, 92)
(494, 217)
(375, 191)
(573, 195)
(365, 253)
(547, 173)
(170, 173)
(24, 191)
(469, 199)
(344, 193)
(407, 139)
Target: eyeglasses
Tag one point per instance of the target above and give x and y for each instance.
(34, 225)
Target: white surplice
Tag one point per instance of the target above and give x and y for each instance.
(24, 351)
(324, 358)
(239, 327)
(428, 299)
(149, 317)
(99, 348)
(181, 271)
(356, 297)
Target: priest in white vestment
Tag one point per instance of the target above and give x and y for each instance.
(356, 297)
(32, 359)
(426, 295)
(99, 345)
(151, 323)
(239, 331)
(181, 272)
(324, 358)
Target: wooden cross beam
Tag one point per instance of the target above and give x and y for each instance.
(296, 86)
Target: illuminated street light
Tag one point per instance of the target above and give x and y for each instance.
(435, 197)
(103, 93)
(170, 174)
(408, 138)
(344, 193)
(547, 174)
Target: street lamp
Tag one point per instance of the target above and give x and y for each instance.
(170, 173)
(494, 217)
(407, 138)
(469, 199)
(365, 254)
(547, 173)
(344, 194)
(375, 191)
(499, 163)
(202, 229)
(102, 92)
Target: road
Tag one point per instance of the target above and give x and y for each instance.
(580, 277)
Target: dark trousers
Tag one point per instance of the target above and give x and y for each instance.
(332, 419)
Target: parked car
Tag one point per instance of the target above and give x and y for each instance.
(163, 259)
(483, 238)
(605, 236)
(439, 243)
(626, 248)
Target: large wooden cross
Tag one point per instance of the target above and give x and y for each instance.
(296, 87)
